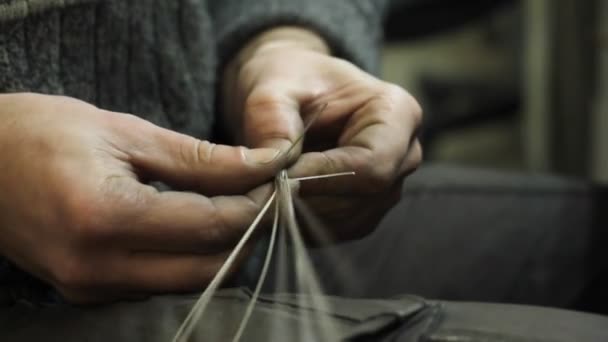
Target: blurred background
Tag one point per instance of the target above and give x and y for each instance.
(517, 85)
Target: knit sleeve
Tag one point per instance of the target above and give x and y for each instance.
(352, 28)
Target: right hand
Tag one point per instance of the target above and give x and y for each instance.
(75, 210)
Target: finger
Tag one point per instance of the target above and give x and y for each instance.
(188, 163)
(271, 119)
(276, 119)
(374, 144)
(180, 222)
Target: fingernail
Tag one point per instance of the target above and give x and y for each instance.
(262, 155)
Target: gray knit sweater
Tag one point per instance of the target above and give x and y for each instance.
(160, 59)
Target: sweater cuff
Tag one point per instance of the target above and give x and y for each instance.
(351, 28)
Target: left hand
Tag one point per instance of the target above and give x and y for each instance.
(369, 126)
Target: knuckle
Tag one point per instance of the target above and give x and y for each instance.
(217, 227)
(395, 91)
(330, 166)
(119, 207)
(263, 100)
(399, 98)
(134, 200)
(387, 97)
(203, 151)
(85, 216)
(92, 215)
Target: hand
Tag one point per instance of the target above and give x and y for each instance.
(369, 126)
(75, 212)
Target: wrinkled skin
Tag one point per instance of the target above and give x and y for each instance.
(75, 210)
(369, 126)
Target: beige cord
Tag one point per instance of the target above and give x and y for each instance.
(185, 330)
(306, 277)
(258, 287)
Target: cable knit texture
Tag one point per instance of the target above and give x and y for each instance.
(153, 58)
(159, 58)
(351, 27)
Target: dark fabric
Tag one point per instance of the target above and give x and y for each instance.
(156, 59)
(353, 28)
(159, 60)
(513, 323)
(458, 234)
(475, 235)
(462, 234)
(276, 318)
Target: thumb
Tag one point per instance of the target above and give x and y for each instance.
(192, 164)
(272, 120)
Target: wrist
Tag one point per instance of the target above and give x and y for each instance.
(289, 37)
(286, 37)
